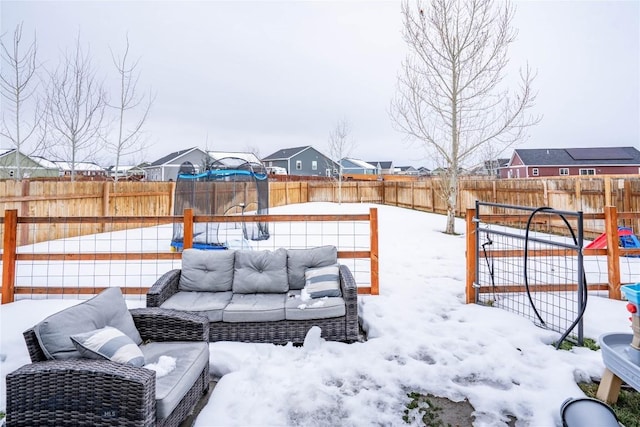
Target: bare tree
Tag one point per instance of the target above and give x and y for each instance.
(19, 82)
(129, 138)
(451, 96)
(340, 146)
(76, 108)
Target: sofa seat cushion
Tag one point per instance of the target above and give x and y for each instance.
(318, 308)
(255, 308)
(206, 304)
(191, 358)
(108, 308)
(299, 260)
(260, 272)
(206, 270)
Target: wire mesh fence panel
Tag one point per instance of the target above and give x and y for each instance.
(525, 266)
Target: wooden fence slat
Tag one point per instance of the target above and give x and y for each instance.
(9, 255)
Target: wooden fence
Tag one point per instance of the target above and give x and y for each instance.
(586, 194)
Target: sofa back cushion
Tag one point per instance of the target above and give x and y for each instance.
(260, 272)
(108, 308)
(204, 270)
(299, 260)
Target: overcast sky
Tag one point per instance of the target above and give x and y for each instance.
(266, 75)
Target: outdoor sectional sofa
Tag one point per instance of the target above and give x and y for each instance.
(263, 296)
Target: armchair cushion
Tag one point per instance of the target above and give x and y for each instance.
(191, 358)
(206, 270)
(108, 308)
(108, 343)
(260, 272)
(299, 260)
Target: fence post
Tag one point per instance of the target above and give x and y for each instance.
(471, 257)
(613, 252)
(9, 255)
(187, 242)
(373, 227)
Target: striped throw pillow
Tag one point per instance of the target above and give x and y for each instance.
(322, 282)
(108, 343)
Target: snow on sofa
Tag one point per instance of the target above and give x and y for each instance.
(263, 296)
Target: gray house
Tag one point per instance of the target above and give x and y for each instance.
(383, 167)
(305, 161)
(359, 167)
(29, 166)
(167, 167)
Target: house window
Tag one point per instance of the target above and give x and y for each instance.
(314, 165)
(298, 165)
(587, 171)
(564, 171)
(535, 172)
(11, 173)
(327, 172)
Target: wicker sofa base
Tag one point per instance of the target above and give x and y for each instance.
(103, 403)
(281, 332)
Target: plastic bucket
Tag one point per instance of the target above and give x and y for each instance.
(587, 412)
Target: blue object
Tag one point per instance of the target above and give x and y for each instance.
(618, 358)
(204, 246)
(632, 293)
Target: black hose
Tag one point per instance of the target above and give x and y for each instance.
(526, 276)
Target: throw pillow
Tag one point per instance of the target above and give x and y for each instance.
(108, 343)
(322, 282)
(299, 260)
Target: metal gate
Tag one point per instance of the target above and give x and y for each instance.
(529, 261)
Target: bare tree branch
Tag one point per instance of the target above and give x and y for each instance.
(19, 82)
(340, 146)
(129, 138)
(451, 95)
(76, 110)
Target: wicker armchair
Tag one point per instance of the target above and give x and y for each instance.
(100, 392)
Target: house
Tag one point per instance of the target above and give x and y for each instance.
(247, 157)
(167, 168)
(383, 167)
(423, 171)
(406, 170)
(29, 166)
(81, 169)
(531, 163)
(357, 167)
(305, 161)
(126, 172)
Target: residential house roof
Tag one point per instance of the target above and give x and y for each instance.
(172, 156)
(578, 156)
(360, 163)
(80, 166)
(247, 157)
(383, 164)
(286, 153)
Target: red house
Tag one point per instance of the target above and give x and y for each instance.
(537, 162)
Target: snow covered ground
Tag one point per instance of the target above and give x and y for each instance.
(422, 337)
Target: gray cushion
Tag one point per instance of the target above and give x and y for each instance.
(322, 282)
(255, 308)
(299, 260)
(323, 308)
(207, 304)
(206, 270)
(108, 308)
(191, 359)
(110, 344)
(260, 272)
